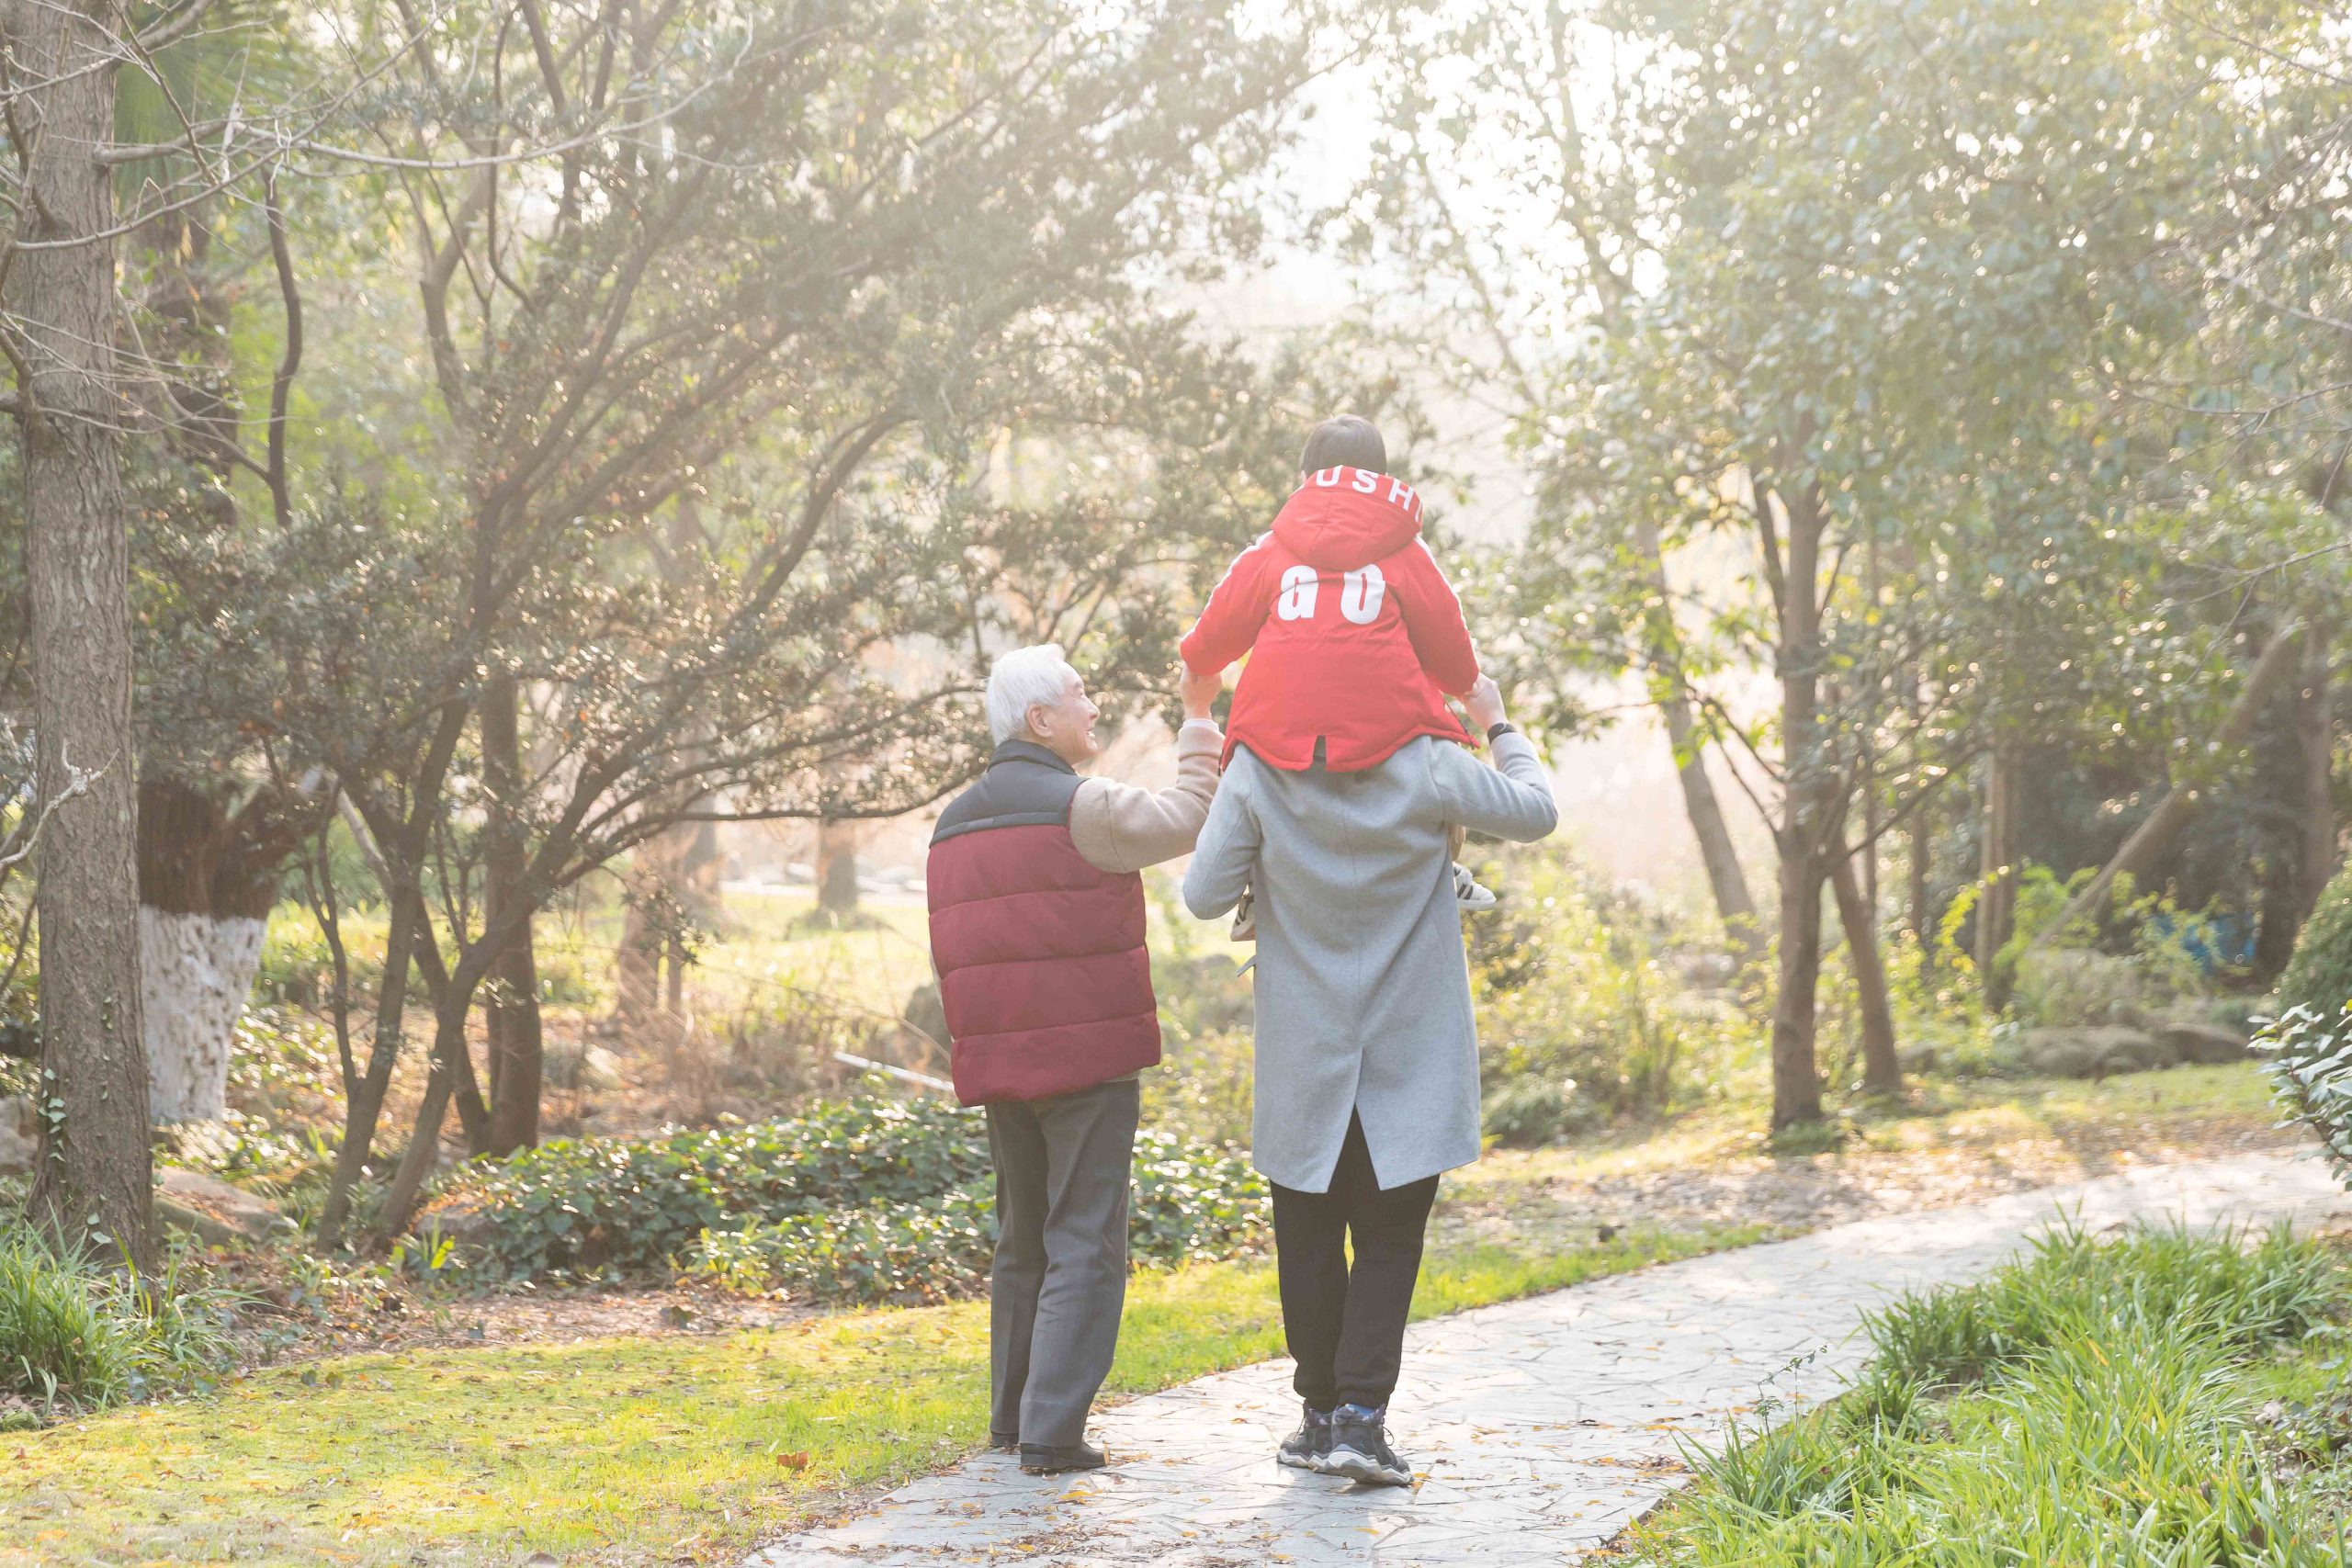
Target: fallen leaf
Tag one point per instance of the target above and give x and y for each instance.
(793, 1461)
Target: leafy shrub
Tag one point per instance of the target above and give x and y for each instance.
(76, 1336)
(1573, 986)
(1192, 1204)
(2068, 987)
(2318, 977)
(298, 966)
(2142, 952)
(901, 1253)
(2309, 1067)
(1528, 1112)
(2309, 1043)
(780, 1043)
(636, 1205)
(868, 1199)
(1205, 1084)
(1187, 1205)
(1204, 1087)
(563, 979)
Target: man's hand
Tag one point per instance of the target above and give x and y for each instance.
(1199, 691)
(1483, 704)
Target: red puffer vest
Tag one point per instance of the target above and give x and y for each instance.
(1041, 958)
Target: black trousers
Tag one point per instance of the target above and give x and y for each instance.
(1062, 1170)
(1345, 1324)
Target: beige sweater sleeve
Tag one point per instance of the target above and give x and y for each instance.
(1121, 826)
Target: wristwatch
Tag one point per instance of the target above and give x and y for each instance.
(1498, 729)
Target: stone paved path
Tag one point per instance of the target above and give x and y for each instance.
(1542, 1427)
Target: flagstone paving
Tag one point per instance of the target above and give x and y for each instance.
(1539, 1427)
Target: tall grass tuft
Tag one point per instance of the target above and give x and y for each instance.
(2241, 1295)
(75, 1336)
(2092, 1404)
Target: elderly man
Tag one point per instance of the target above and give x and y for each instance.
(1037, 930)
(1367, 1054)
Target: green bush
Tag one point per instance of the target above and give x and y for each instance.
(901, 1253)
(1187, 1205)
(2318, 976)
(1527, 1112)
(2310, 1066)
(74, 1336)
(563, 977)
(1572, 988)
(865, 1199)
(1192, 1204)
(635, 1206)
(2309, 1043)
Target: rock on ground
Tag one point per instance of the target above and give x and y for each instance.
(211, 1208)
(19, 1136)
(2093, 1050)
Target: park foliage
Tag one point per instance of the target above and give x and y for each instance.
(868, 1200)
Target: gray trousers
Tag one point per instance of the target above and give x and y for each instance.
(1062, 1169)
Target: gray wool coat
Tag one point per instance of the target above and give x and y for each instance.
(1362, 991)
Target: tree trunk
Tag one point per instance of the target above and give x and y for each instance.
(363, 1108)
(2278, 916)
(2315, 727)
(1733, 904)
(1808, 800)
(96, 1171)
(1881, 1071)
(1796, 1080)
(2186, 798)
(837, 871)
(1996, 900)
(194, 973)
(1921, 841)
(512, 1005)
(440, 1086)
(207, 874)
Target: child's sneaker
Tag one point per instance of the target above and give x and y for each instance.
(1468, 893)
(1245, 917)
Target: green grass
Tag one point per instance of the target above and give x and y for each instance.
(2093, 1405)
(74, 1335)
(624, 1450)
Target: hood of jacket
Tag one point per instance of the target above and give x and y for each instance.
(1340, 527)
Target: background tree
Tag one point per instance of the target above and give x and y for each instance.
(854, 258)
(57, 280)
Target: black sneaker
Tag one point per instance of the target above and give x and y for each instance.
(1044, 1459)
(1360, 1449)
(1305, 1449)
(1004, 1442)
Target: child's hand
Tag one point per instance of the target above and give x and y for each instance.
(1483, 704)
(1199, 691)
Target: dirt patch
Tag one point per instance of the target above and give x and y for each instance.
(391, 1317)
(1804, 1192)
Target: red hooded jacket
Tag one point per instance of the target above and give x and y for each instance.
(1354, 629)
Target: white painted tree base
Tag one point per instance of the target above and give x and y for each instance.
(195, 972)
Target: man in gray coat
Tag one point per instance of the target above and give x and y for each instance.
(1367, 1052)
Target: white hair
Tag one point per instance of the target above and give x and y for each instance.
(1021, 680)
